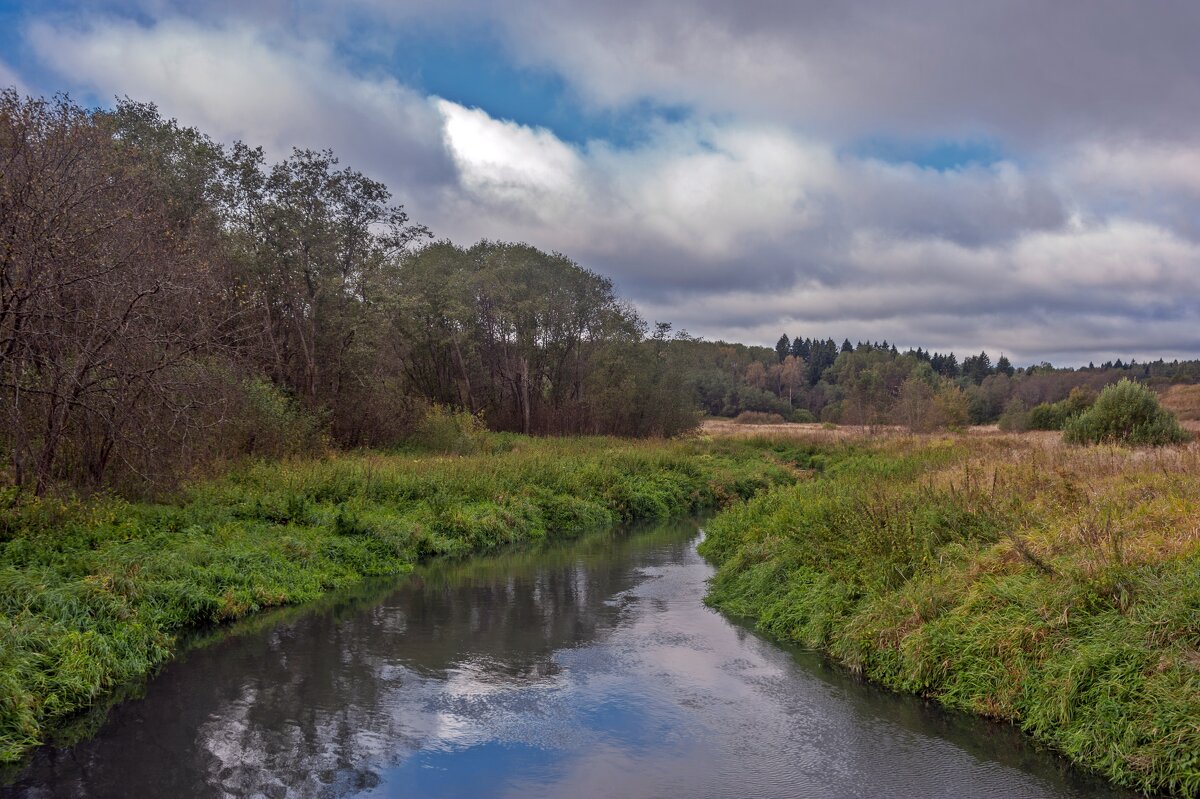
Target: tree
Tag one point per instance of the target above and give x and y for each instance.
(783, 347)
(107, 300)
(792, 376)
(915, 408)
(756, 375)
(317, 237)
(977, 367)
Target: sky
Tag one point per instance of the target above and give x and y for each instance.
(1018, 176)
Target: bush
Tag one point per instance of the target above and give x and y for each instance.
(269, 422)
(1125, 413)
(1015, 418)
(757, 417)
(1055, 415)
(444, 429)
(803, 416)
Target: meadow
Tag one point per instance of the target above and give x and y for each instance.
(1013, 576)
(96, 593)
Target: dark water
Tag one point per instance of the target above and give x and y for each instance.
(592, 670)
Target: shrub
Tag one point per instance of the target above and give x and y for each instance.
(1015, 418)
(952, 405)
(1125, 413)
(1055, 415)
(757, 417)
(803, 416)
(451, 431)
(270, 422)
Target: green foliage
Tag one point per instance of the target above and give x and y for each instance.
(1015, 418)
(1125, 413)
(96, 593)
(443, 429)
(1055, 415)
(270, 423)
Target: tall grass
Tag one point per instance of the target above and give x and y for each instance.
(96, 593)
(1055, 587)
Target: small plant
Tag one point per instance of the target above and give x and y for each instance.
(1125, 413)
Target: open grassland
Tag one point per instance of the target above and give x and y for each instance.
(1184, 402)
(1013, 576)
(96, 593)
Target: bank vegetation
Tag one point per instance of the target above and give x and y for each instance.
(1015, 576)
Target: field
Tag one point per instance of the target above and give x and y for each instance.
(94, 594)
(1184, 402)
(1012, 576)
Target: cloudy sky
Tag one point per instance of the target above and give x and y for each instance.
(1022, 176)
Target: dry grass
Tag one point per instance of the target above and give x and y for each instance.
(1184, 402)
(816, 431)
(793, 431)
(1011, 575)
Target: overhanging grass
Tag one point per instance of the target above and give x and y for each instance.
(1057, 588)
(94, 594)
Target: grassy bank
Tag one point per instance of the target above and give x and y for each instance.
(96, 593)
(1055, 587)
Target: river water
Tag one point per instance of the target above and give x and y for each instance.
(584, 670)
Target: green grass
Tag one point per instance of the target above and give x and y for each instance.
(94, 594)
(1055, 587)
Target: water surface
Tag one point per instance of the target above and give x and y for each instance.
(588, 670)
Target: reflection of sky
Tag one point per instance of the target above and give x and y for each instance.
(671, 701)
(592, 670)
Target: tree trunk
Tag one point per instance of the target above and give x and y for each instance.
(525, 394)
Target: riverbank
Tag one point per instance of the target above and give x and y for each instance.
(1010, 576)
(96, 593)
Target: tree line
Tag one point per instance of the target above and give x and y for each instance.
(877, 383)
(167, 301)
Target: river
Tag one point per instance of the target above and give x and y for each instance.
(584, 670)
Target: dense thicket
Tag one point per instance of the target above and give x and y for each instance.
(167, 301)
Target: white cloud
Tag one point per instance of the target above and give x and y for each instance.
(505, 164)
(742, 223)
(236, 82)
(10, 80)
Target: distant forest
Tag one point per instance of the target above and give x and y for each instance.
(169, 303)
(875, 383)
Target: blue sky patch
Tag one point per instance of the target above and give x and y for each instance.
(941, 154)
(472, 67)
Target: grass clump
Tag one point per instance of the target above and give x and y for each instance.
(96, 593)
(1054, 587)
(1125, 413)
